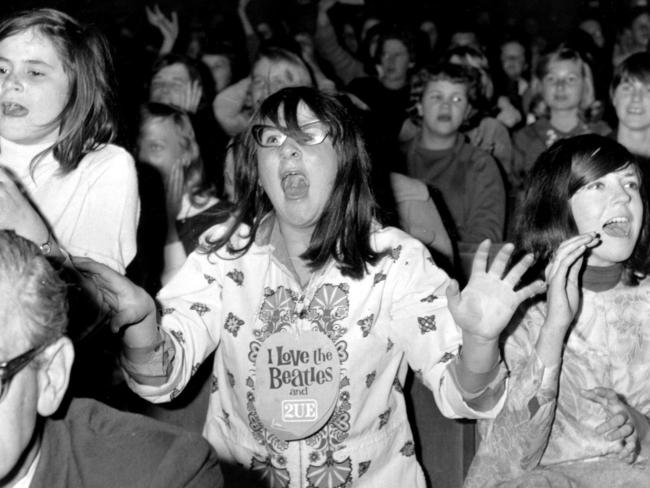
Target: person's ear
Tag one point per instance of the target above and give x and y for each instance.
(54, 375)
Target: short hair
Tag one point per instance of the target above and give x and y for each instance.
(87, 120)
(634, 67)
(194, 179)
(454, 73)
(565, 53)
(343, 230)
(545, 218)
(32, 290)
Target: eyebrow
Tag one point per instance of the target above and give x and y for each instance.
(38, 62)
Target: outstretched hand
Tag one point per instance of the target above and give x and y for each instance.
(485, 306)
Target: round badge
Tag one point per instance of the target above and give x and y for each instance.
(297, 383)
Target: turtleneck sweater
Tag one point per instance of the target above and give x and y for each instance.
(93, 210)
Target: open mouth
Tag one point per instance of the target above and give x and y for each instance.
(294, 185)
(12, 109)
(617, 227)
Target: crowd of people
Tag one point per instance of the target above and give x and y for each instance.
(253, 245)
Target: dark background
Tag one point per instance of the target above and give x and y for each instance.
(553, 17)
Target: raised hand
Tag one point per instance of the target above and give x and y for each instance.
(191, 96)
(562, 277)
(168, 27)
(563, 295)
(487, 303)
(620, 425)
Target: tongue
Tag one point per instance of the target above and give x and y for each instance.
(13, 110)
(295, 186)
(616, 229)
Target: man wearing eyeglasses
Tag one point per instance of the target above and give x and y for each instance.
(88, 444)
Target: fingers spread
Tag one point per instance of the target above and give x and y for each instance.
(500, 262)
(479, 263)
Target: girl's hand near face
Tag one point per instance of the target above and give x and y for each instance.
(624, 424)
(563, 295)
(18, 214)
(191, 97)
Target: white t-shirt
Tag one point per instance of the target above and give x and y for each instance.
(93, 211)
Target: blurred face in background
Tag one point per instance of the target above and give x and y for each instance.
(221, 69)
(640, 29)
(593, 28)
(631, 99)
(395, 60)
(169, 85)
(270, 76)
(513, 60)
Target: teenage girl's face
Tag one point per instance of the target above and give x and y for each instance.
(298, 178)
(632, 103)
(169, 85)
(159, 145)
(270, 76)
(611, 206)
(444, 106)
(34, 88)
(562, 85)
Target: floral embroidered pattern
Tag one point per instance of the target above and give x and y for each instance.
(237, 276)
(209, 279)
(446, 357)
(379, 277)
(328, 308)
(363, 468)
(427, 323)
(330, 474)
(370, 378)
(429, 298)
(214, 384)
(175, 392)
(383, 418)
(366, 324)
(225, 416)
(395, 252)
(408, 449)
(389, 345)
(276, 312)
(231, 379)
(200, 308)
(397, 386)
(178, 335)
(274, 476)
(233, 323)
(167, 311)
